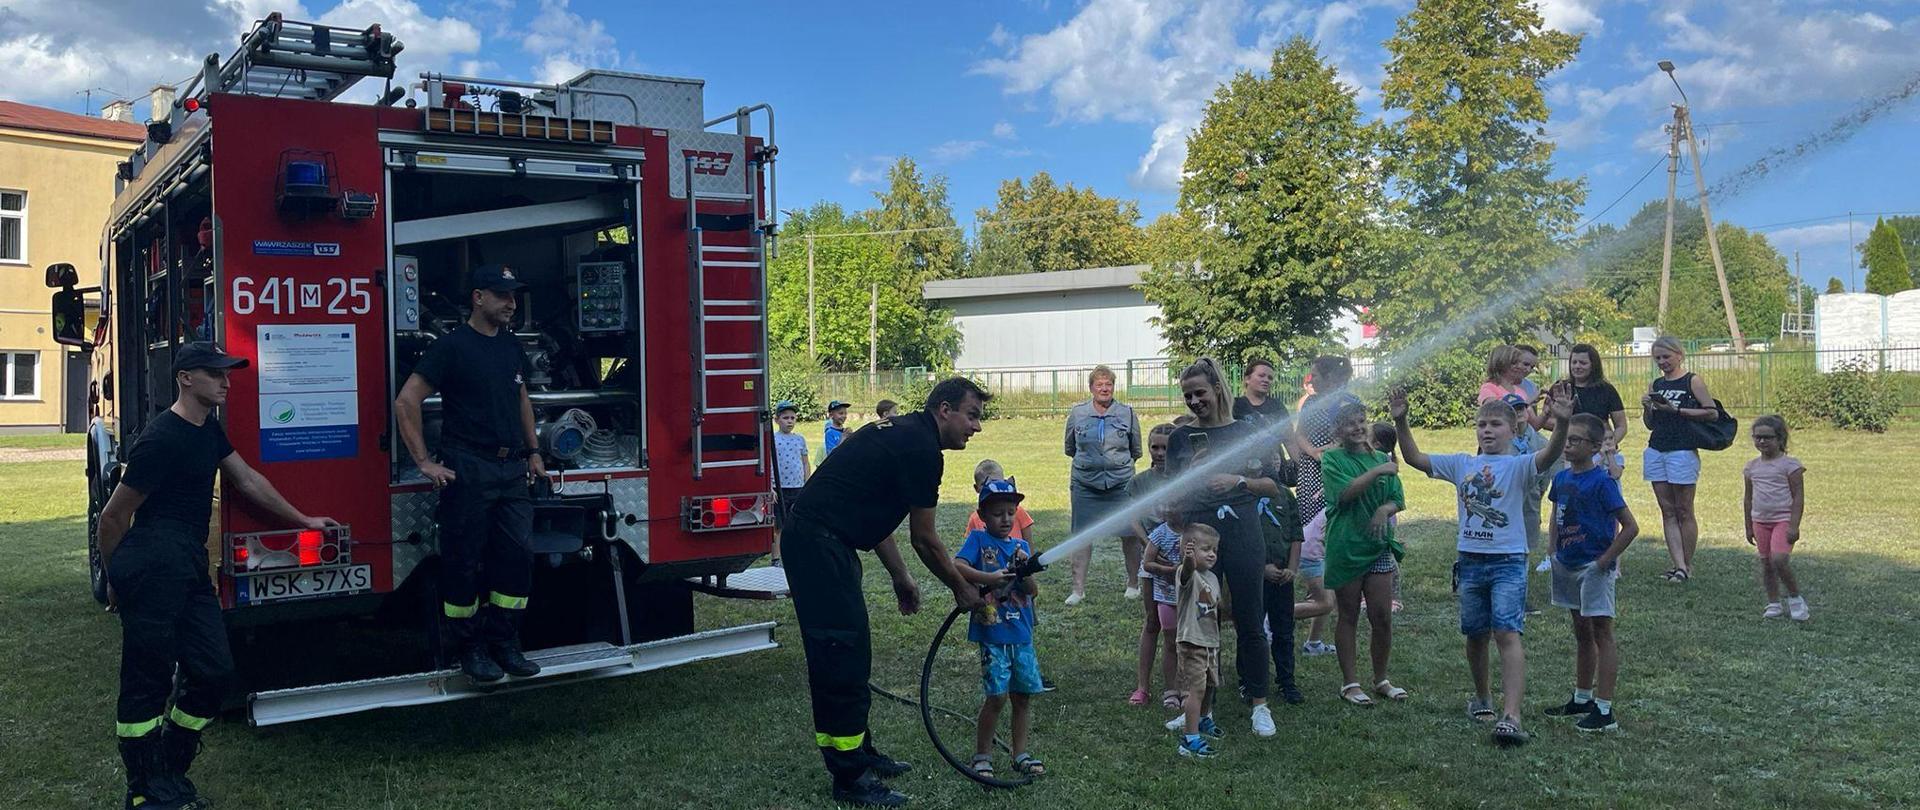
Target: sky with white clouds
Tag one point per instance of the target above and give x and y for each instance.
(1105, 92)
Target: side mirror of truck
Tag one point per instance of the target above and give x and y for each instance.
(70, 319)
(62, 275)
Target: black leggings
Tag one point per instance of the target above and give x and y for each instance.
(1243, 560)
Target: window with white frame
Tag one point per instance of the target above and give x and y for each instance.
(22, 375)
(13, 226)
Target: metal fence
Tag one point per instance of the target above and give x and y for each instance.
(1743, 381)
(1752, 381)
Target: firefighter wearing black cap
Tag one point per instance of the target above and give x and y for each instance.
(152, 539)
(882, 473)
(489, 458)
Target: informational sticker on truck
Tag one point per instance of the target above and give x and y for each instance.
(274, 587)
(309, 392)
(275, 247)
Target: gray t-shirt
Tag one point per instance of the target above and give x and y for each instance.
(1199, 609)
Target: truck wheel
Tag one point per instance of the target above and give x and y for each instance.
(96, 573)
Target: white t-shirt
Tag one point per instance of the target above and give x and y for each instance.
(790, 458)
(1493, 491)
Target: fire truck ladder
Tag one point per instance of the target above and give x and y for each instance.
(727, 258)
(292, 59)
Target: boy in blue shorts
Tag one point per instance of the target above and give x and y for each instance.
(1492, 567)
(1594, 529)
(1004, 628)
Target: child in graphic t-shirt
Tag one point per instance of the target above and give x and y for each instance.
(790, 468)
(1776, 496)
(1202, 603)
(1593, 528)
(1492, 566)
(1009, 671)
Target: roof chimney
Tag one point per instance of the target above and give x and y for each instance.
(161, 97)
(118, 110)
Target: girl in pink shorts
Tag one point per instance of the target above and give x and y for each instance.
(1775, 500)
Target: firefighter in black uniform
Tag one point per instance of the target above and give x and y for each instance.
(884, 472)
(489, 459)
(153, 545)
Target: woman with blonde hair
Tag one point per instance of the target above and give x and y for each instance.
(1672, 460)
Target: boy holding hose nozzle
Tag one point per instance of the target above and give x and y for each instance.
(1003, 628)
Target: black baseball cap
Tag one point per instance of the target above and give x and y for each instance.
(204, 354)
(495, 277)
(837, 405)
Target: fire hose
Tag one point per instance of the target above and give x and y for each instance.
(1021, 571)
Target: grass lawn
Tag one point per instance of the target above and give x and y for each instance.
(42, 441)
(1717, 707)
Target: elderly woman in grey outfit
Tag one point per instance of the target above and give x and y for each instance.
(1103, 439)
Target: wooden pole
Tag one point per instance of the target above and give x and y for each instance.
(1666, 252)
(873, 331)
(1713, 242)
(812, 351)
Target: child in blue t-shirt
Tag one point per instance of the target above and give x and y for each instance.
(1004, 628)
(1594, 529)
(836, 429)
(1491, 570)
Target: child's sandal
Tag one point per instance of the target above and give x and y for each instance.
(983, 765)
(1386, 689)
(1030, 765)
(1170, 700)
(1355, 694)
(1138, 698)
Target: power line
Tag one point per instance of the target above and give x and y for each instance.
(1623, 194)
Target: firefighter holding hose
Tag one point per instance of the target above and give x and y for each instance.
(153, 547)
(489, 459)
(880, 474)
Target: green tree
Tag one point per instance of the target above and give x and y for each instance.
(1629, 273)
(1483, 217)
(931, 247)
(1275, 219)
(1886, 261)
(1834, 285)
(1909, 229)
(848, 264)
(1040, 226)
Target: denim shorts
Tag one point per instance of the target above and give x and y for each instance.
(1009, 668)
(1676, 467)
(1310, 569)
(1493, 593)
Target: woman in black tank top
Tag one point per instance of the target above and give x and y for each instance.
(1672, 463)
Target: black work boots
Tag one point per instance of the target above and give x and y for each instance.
(157, 770)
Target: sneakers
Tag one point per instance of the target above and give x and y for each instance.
(1208, 728)
(1797, 608)
(1133, 592)
(507, 654)
(1047, 685)
(1597, 720)
(1197, 747)
(1291, 694)
(1773, 611)
(478, 665)
(868, 792)
(1316, 648)
(1572, 708)
(1262, 721)
(1546, 564)
(1075, 598)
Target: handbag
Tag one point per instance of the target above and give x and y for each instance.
(1717, 434)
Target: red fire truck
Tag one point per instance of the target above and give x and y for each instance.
(326, 241)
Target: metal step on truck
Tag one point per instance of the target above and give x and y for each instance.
(326, 241)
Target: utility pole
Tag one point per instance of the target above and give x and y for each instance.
(1666, 252)
(873, 331)
(1798, 283)
(812, 352)
(1683, 126)
(1685, 119)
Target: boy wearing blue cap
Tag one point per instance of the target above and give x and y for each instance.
(836, 429)
(1004, 628)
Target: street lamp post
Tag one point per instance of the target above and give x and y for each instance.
(1683, 127)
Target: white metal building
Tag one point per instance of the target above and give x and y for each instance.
(1060, 320)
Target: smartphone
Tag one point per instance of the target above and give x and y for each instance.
(1197, 442)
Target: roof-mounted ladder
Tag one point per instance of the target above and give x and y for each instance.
(291, 59)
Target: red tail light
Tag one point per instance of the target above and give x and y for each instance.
(310, 547)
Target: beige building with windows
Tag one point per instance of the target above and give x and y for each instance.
(56, 185)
